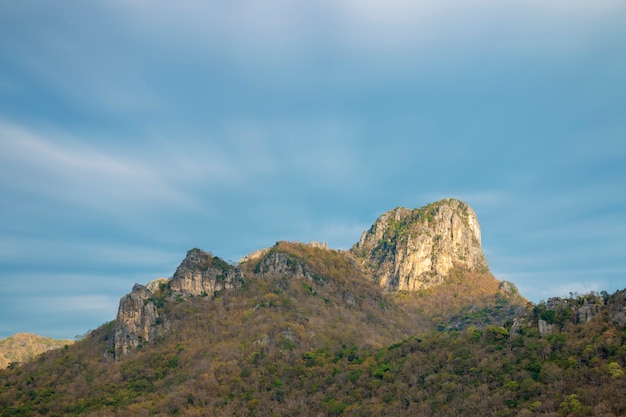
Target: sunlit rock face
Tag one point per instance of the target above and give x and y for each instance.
(138, 318)
(415, 249)
(201, 273)
(404, 250)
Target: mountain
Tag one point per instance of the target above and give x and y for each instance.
(22, 347)
(416, 249)
(434, 250)
(301, 329)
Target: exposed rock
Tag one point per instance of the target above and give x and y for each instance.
(201, 273)
(319, 245)
(278, 263)
(557, 304)
(264, 340)
(516, 326)
(544, 328)
(257, 254)
(581, 313)
(157, 284)
(508, 289)
(587, 311)
(288, 334)
(404, 250)
(415, 249)
(138, 320)
(619, 317)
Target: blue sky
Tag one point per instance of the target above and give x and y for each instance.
(132, 131)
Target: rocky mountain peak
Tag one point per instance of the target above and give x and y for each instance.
(405, 249)
(201, 273)
(415, 249)
(140, 316)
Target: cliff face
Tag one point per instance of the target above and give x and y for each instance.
(138, 318)
(201, 273)
(404, 250)
(415, 249)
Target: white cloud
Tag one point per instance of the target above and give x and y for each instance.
(55, 166)
(279, 32)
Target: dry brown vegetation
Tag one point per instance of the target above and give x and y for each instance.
(318, 338)
(22, 347)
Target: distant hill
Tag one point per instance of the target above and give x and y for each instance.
(22, 347)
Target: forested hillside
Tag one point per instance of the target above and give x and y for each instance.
(294, 314)
(301, 330)
(575, 370)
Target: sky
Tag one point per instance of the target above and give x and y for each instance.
(132, 131)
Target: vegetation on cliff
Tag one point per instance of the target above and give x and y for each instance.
(298, 329)
(231, 356)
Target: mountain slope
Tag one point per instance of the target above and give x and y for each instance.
(577, 370)
(434, 252)
(270, 335)
(309, 293)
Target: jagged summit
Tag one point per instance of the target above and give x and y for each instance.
(404, 250)
(415, 249)
(300, 329)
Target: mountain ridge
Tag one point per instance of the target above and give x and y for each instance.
(434, 250)
(300, 329)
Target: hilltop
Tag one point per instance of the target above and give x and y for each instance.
(301, 329)
(22, 347)
(417, 267)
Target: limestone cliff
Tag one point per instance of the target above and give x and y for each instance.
(415, 249)
(139, 318)
(201, 273)
(141, 315)
(404, 250)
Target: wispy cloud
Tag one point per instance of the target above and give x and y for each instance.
(58, 167)
(132, 130)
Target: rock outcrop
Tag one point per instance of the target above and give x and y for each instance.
(138, 318)
(279, 263)
(544, 327)
(415, 249)
(404, 250)
(201, 273)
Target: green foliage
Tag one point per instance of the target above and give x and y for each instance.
(615, 370)
(548, 316)
(571, 406)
